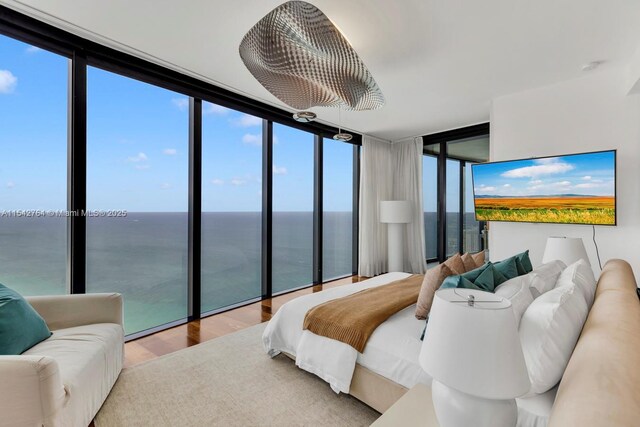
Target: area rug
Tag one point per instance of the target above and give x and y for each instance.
(229, 381)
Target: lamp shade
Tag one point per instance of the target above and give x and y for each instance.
(566, 249)
(395, 211)
(474, 349)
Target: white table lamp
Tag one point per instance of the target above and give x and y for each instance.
(395, 213)
(566, 249)
(472, 350)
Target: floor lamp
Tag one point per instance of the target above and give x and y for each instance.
(395, 213)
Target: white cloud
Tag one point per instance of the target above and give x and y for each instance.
(165, 186)
(279, 170)
(238, 182)
(585, 185)
(507, 185)
(11, 184)
(536, 182)
(548, 168)
(252, 139)
(586, 178)
(8, 81)
(246, 121)
(561, 184)
(547, 161)
(170, 151)
(140, 157)
(181, 103)
(32, 49)
(484, 189)
(275, 139)
(217, 181)
(143, 167)
(213, 109)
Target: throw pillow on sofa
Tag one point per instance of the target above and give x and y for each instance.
(21, 327)
(549, 331)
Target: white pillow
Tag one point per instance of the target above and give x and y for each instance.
(549, 330)
(517, 291)
(545, 277)
(581, 274)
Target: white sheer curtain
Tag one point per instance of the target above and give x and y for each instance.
(376, 175)
(390, 172)
(407, 185)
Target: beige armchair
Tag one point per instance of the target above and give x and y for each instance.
(64, 380)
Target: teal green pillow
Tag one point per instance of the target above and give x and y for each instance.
(498, 278)
(508, 267)
(486, 280)
(21, 327)
(469, 275)
(525, 262)
(459, 282)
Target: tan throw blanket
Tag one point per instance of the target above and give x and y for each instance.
(352, 319)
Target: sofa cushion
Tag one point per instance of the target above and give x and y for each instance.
(90, 359)
(21, 327)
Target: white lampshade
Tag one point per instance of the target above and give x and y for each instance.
(395, 211)
(566, 249)
(474, 349)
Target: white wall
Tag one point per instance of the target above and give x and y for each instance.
(587, 114)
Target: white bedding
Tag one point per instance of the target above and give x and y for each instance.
(392, 350)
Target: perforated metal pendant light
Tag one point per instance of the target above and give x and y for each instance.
(299, 56)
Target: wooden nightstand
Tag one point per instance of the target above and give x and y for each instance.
(415, 408)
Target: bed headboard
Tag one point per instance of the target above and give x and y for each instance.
(601, 385)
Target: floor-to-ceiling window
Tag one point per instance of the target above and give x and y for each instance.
(337, 242)
(430, 201)
(293, 170)
(33, 169)
(137, 186)
(453, 207)
(448, 186)
(149, 163)
(231, 206)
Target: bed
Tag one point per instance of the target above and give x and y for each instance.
(598, 387)
(379, 375)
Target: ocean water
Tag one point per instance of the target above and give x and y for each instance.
(144, 257)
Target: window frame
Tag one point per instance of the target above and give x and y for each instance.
(442, 139)
(82, 53)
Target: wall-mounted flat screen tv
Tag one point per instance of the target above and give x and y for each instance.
(570, 189)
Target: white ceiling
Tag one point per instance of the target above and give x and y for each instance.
(438, 62)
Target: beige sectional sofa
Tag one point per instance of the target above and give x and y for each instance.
(64, 380)
(601, 385)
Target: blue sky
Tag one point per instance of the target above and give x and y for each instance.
(584, 174)
(137, 154)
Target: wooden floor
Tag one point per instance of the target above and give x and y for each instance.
(198, 331)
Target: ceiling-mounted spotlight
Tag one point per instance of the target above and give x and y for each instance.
(304, 116)
(344, 137)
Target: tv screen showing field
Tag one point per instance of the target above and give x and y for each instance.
(572, 189)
